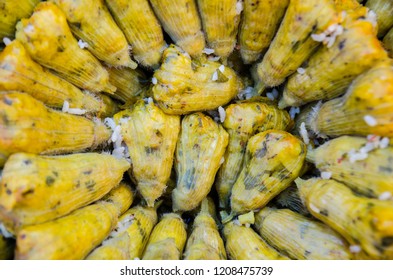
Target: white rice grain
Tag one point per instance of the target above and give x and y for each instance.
(301, 71)
(76, 111)
(82, 44)
(222, 113)
(5, 232)
(314, 208)
(384, 143)
(385, 196)
(239, 7)
(354, 249)
(318, 37)
(29, 28)
(370, 120)
(304, 133)
(326, 175)
(208, 51)
(6, 41)
(270, 96)
(215, 76)
(293, 112)
(221, 68)
(154, 80)
(66, 106)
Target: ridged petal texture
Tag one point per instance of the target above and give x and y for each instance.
(205, 242)
(388, 42)
(199, 151)
(293, 43)
(384, 11)
(242, 121)
(128, 240)
(180, 19)
(167, 239)
(371, 176)
(91, 21)
(254, 37)
(184, 86)
(361, 221)
(11, 12)
(36, 189)
(18, 72)
(23, 120)
(142, 29)
(243, 243)
(220, 20)
(273, 161)
(151, 138)
(331, 70)
(299, 237)
(366, 108)
(75, 235)
(49, 41)
(128, 82)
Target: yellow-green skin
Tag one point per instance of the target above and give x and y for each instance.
(361, 221)
(167, 239)
(220, 22)
(11, 12)
(370, 94)
(128, 83)
(205, 242)
(35, 189)
(242, 121)
(331, 70)
(180, 19)
(129, 243)
(199, 151)
(388, 42)
(151, 137)
(384, 11)
(72, 237)
(49, 41)
(141, 28)
(293, 44)
(91, 21)
(273, 160)
(300, 237)
(185, 86)
(20, 73)
(243, 243)
(254, 37)
(371, 176)
(23, 120)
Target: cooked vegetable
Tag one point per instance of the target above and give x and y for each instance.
(364, 222)
(205, 242)
(293, 43)
(129, 83)
(19, 72)
(300, 237)
(384, 11)
(242, 243)
(11, 12)
(167, 239)
(183, 86)
(273, 161)
(91, 21)
(128, 240)
(35, 189)
(371, 174)
(180, 19)
(366, 108)
(388, 42)
(24, 120)
(142, 29)
(75, 235)
(254, 37)
(49, 41)
(151, 138)
(199, 151)
(242, 121)
(220, 21)
(331, 70)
